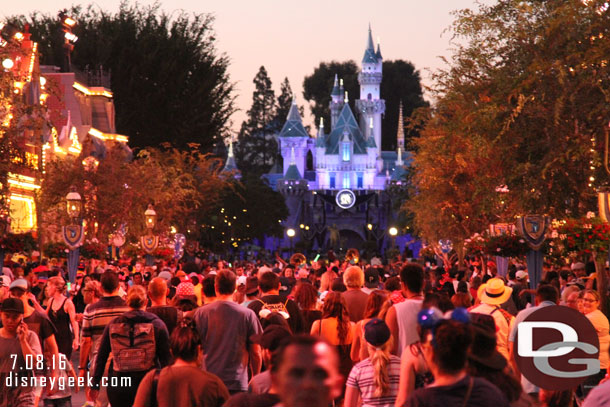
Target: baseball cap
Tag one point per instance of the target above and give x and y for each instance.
(5, 281)
(376, 332)
(241, 280)
(19, 283)
(521, 274)
(251, 285)
(12, 305)
(577, 266)
(166, 275)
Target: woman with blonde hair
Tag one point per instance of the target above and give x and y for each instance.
(62, 313)
(375, 379)
(590, 305)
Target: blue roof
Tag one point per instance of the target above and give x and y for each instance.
(378, 53)
(292, 173)
(389, 160)
(369, 53)
(346, 123)
(336, 91)
(399, 173)
(294, 125)
(230, 164)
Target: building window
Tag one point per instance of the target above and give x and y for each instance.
(332, 181)
(346, 180)
(360, 181)
(345, 153)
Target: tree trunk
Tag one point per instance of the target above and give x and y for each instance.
(602, 283)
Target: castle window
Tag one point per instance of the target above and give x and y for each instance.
(360, 180)
(332, 181)
(345, 151)
(369, 96)
(346, 180)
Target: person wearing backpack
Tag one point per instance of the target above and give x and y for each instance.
(272, 301)
(139, 342)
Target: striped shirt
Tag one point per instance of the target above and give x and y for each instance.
(362, 378)
(98, 315)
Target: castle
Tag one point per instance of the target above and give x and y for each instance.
(336, 184)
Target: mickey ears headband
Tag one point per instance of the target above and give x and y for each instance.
(430, 318)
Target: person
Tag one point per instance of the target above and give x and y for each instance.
(306, 373)
(485, 361)
(306, 297)
(445, 349)
(336, 328)
(328, 277)
(492, 295)
(62, 314)
(251, 291)
(402, 317)
(375, 379)
(271, 301)
(222, 319)
(375, 303)
(16, 343)
(60, 395)
(95, 319)
(183, 384)
(157, 292)
(135, 318)
(355, 298)
(599, 396)
(591, 303)
(546, 295)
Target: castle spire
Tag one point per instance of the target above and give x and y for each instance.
(346, 98)
(369, 52)
(378, 53)
(400, 136)
(336, 90)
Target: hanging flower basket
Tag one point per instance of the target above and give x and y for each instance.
(93, 250)
(506, 246)
(475, 246)
(58, 250)
(583, 236)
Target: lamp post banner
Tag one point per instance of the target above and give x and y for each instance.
(73, 236)
(149, 243)
(73, 264)
(533, 228)
(534, 268)
(502, 265)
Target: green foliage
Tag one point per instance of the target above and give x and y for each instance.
(57, 250)
(17, 243)
(257, 147)
(170, 83)
(506, 246)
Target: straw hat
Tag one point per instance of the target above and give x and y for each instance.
(494, 292)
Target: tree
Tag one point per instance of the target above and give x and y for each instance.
(401, 82)
(256, 149)
(169, 82)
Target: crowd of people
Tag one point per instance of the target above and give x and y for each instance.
(282, 333)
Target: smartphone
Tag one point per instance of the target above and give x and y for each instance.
(69, 285)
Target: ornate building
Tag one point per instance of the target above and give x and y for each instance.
(339, 180)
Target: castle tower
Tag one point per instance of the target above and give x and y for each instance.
(370, 106)
(292, 186)
(230, 165)
(400, 137)
(336, 101)
(294, 139)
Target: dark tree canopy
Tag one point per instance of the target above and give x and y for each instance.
(400, 82)
(257, 147)
(169, 82)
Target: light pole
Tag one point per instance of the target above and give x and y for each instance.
(73, 233)
(393, 232)
(290, 232)
(149, 241)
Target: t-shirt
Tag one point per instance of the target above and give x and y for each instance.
(182, 386)
(225, 329)
(599, 396)
(41, 325)
(261, 383)
(600, 323)
(296, 319)
(503, 321)
(362, 378)
(406, 317)
(12, 393)
(356, 303)
(483, 394)
(168, 314)
(253, 400)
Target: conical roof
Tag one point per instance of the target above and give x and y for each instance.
(292, 173)
(369, 52)
(346, 123)
(294, 125)
(230, 164)
(336, 91)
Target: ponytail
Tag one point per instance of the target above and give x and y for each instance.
(380, 358)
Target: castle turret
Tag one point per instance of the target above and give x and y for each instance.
(336, 101)
(230, 165)
(400, 137)
(370, 106)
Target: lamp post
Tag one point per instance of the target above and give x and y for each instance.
(149, 241)
(290, 232)
(393, 232)
(67, 24)
(73, 233)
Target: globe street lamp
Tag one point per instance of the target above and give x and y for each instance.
(393, 232)
(290, 232)
(73, 233)
(150, 242)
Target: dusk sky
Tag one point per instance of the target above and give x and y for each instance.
(290, 38)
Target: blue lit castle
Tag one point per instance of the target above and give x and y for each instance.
(337, 184)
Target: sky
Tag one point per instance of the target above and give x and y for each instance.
(290, 38)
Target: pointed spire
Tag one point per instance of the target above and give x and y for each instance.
(336, 90)
(230, 148)
(230, 165)
(400, 136)
(371, 122)
(378, 53)
(321, 123)
(369, 52)
(369, 44)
